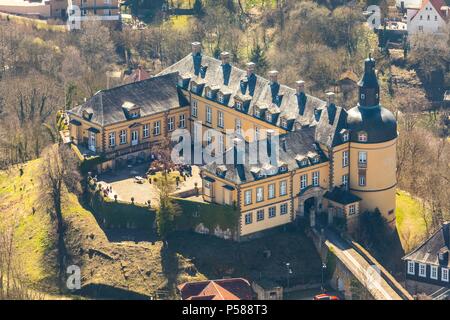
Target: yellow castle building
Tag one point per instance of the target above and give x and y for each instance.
(323, 162)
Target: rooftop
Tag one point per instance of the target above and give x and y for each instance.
(223, 289)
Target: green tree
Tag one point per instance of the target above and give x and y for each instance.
(167, 209)
(258, 56)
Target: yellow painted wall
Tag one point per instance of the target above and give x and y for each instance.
(381, 180)
(338, 169)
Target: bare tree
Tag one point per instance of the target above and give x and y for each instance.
(59, 175)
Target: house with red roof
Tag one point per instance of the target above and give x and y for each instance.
(431, 16)
(222, 289)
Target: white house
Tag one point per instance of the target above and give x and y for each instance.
(432, 16)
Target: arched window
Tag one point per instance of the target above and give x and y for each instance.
(362, 136)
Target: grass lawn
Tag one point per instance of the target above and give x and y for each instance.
(410, 224)
(180, 22)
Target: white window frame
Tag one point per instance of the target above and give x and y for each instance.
(362, 157)
(194, 108)
(238, 125)
(422, 267)
(260, 194)
(362, 136)
(208, 115)
(362, 180)
(351, 209)
(123, 136)
(248, 197)
(411, 268)
(248, 218)
(283, 208)
(220, 122)
(112, 139)
(260, 215)
(345, 137)
(303, 181)
(345, 158)
(171, 123)
(345, 180)
(434, 272)
(221, 144)
(208, 137)
(257, 113)
(316, 178)
(283, 188)
(271, 191)
(146, 131)
(268, 116)
(272, 212)
(444, 274)
(257, 134)
(182, 121)
(134, 137)
(239, 105)
(157, 128)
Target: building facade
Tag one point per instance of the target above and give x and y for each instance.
(427, 267)
(431, 16)
(321, 162)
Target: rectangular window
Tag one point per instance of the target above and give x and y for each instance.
(260, 215)
(362, 180)
(259, 194)
(257, 134)
(283, 188)
(112, 139)
(283, 208)
(362, 159)
(123, 136)
(422, 270)
(146, 131)
(351, 209)
(248, 197)
(208, 137)
(345, 159)
(248, 218)
(221, 144)
(345, 181)
(238, 105)
(444, 274)
(194, 108)
(220, 119)
(411, 267)
(171, 123)
(271, 189)
(182, 123)
(434, 272)
(208, 115)
(315, 178)
(303, 181)
(237, 126)
(157, 128)
(272, 212)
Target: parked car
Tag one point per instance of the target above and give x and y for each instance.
(325, 296)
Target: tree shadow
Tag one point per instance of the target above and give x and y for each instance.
(106, 292)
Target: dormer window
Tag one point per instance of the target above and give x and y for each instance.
(284, 123)
(221, 170)
(345, 135)
(210, 94)
(220, 98)
(257, 113)
(87, 114)
(238, 105)
(268, 117)
(194, 87)
(283, 168)
(362, 136)
(131, 110)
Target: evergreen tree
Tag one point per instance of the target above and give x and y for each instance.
(258, 56)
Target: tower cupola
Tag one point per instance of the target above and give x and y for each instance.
(369, 90)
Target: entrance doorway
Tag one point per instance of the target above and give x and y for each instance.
(309, 204)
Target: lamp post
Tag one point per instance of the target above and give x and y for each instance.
(324, 267)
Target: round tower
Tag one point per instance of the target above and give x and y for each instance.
(373, 138)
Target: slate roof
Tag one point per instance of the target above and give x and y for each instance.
(299, 142)
(428, 251)
(223, 289)
(341, 196)
(153, 95)
(262, 94)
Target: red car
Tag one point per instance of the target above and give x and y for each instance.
(325, 296)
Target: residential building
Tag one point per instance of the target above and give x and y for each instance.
(431, 16)
(427, 267)
(223, 289)
(328, 160)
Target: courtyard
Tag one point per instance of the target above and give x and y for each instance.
(125, 185)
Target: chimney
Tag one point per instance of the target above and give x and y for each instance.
(330, 97)
(225, 57)
(196, 48)
(250, 68)
(273, 76)
(300, 84)
(331, 107)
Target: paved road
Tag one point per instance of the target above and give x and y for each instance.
(361, 268)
